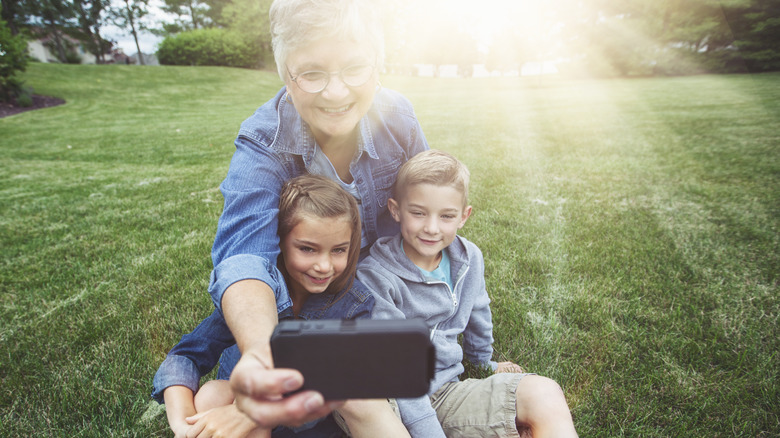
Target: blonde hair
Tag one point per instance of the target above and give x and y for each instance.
(297, 23)
(433, 167)
(315, 196)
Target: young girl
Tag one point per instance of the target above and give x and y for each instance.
(319, 232)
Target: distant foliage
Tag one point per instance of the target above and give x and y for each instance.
(13, 59)
(213, 46)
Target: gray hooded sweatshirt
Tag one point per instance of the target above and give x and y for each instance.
(402, 292)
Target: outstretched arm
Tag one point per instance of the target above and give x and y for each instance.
(250, 310)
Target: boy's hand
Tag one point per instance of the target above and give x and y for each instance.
(508, 367)
(224, 421)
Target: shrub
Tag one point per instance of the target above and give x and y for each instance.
(24, 98)
(13, 59)
(212, 46)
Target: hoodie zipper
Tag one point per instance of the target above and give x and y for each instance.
(452, 294)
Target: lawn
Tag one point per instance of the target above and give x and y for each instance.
(630, 229)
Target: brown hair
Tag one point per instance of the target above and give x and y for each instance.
(319, 197)
(433, 167)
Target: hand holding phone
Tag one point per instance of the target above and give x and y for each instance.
(348, 359)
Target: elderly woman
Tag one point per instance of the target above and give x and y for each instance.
(332, 118)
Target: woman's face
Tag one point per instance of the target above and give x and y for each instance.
(315, 253)
(333, 113)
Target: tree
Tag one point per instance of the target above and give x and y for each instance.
(130, 17)
(639, 37)
(13, 59)
(191, 15)
(213, 12)
(756, 30)
(90, 18)
(249, 19)
(14, 14)
(55, 16)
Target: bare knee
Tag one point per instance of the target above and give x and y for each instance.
(212, 394)
(540, 399)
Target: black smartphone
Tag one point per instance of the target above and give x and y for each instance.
(346, 359)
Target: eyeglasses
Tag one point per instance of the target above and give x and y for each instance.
(315, 81)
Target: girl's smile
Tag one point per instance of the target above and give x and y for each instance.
(315, 253)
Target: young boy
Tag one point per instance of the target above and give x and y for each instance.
(428, 271)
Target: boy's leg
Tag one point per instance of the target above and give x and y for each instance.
(370, 418)
(542, 406)
(479, 407)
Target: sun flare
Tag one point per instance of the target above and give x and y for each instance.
(500, 27)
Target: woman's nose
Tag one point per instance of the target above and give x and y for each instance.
(336, 88)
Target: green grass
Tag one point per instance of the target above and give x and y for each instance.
(630, 230)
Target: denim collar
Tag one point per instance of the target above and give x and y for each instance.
(312, 308)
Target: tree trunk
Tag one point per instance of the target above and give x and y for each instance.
(133, 31)
(137, 46)
(101, 57)
(192, 14)
(57, 42)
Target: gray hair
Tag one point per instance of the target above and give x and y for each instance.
(298, 23)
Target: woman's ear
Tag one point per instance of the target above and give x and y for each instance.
(392, 205)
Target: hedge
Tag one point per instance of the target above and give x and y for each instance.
(212, 46)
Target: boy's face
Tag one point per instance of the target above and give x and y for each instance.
(430, 217)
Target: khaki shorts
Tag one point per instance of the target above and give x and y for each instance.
(479, 407)
(473, 407)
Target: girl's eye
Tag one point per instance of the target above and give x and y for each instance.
(306, 249)
(340, 250)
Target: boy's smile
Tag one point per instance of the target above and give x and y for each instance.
(430, 217)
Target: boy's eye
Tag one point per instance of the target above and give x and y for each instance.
(417, 213)
(448, 216)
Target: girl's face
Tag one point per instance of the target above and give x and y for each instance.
(334, 112)
(315, 253)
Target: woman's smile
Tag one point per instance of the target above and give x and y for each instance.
(343, 109)
(334, 112)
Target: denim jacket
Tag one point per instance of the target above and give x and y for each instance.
(275, 145)
(197, 353)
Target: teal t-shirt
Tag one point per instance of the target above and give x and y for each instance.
(442, 272)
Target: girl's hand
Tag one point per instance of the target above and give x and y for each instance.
(224, 421)
(508, 367)
(180, 429)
